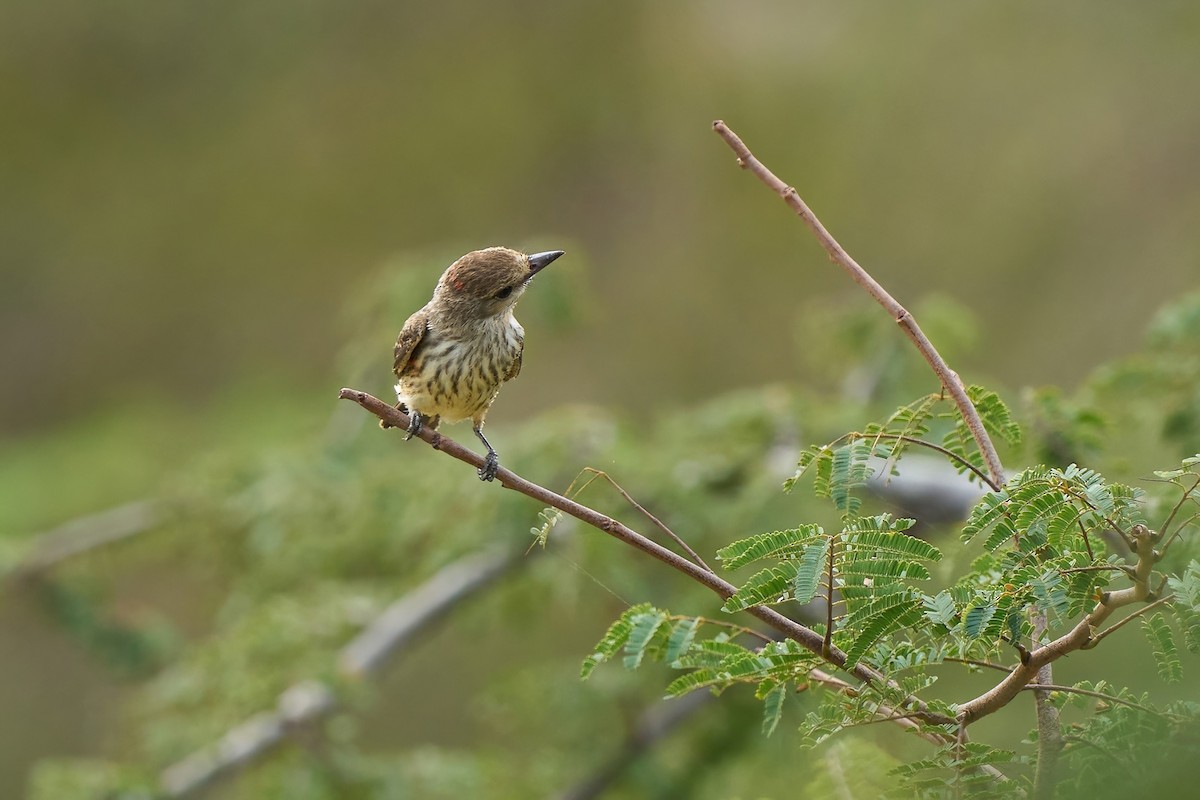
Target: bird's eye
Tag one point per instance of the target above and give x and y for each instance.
(503, 293)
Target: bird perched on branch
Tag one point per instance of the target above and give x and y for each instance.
(453, 355)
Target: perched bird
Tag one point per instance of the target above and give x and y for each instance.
(453, 354)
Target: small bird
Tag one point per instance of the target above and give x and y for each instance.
(453, 355)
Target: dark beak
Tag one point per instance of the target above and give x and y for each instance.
(539, 260)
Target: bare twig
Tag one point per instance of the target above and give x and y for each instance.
(949, 379)
(827, 642)
(1087, 542)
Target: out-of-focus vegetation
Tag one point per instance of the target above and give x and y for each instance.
(195, 204)
(189, 187)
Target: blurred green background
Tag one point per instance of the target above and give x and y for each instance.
(213, 215)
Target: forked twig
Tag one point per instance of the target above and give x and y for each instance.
(1102, 635)
(655, 521)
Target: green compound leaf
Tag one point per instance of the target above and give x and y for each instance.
(940, 609)
(1162, 644)
(771, 585)
(683, 633)
(878, 618)
(614, 639)
(772, 705)
(809, 573)
(776, 544)
(641, 634)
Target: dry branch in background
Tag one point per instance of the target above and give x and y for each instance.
(302, 706)
(87, 533)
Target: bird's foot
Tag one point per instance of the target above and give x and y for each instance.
(491, 463)
(414, 425)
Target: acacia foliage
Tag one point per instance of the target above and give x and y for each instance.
(1052, 543)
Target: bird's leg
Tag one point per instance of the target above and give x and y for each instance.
(491, 461)
(415, 421)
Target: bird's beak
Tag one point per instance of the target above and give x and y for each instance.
(539, 260)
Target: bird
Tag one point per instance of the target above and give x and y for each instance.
(453, 355)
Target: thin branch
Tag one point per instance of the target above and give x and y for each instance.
(975, 663)
(1183, 499)
(742, 629)
(1125, 568)
(805, 636)
(955, 457)
(653, 519)
(1068, 490)
(1050, 687)
(1143, 610)
(1087, 542)
(889, 714)
(948, 378)
(1179, 531)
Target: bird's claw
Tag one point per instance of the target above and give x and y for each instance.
(491, 463)
(414, 425)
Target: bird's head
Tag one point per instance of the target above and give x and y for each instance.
(488, 282)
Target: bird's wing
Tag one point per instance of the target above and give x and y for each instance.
(515, 369)
(410, 336)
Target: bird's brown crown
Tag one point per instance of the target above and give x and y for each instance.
(486, 274)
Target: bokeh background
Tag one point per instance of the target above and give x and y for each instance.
(213, 215)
